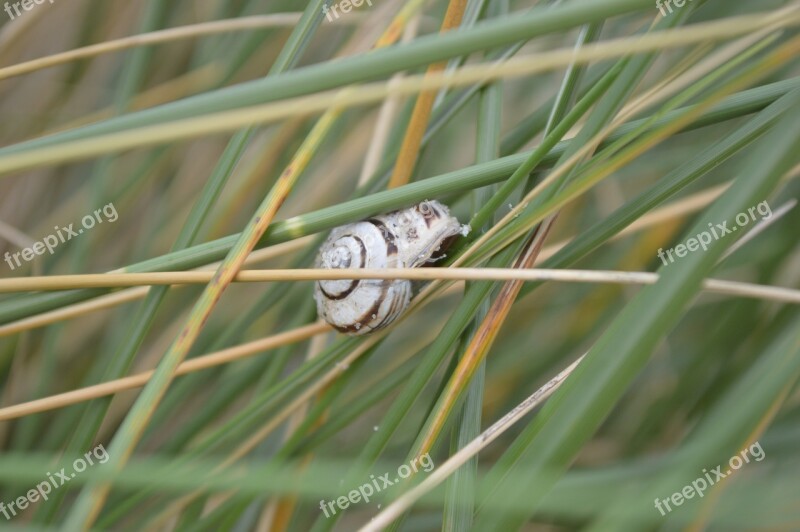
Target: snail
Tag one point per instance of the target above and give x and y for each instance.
(405, 238)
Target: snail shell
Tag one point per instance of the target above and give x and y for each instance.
(400, 239)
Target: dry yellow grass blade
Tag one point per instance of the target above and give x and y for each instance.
(73, 311)
(409, 149)
(370, 93)
(276, 20)
(386, 115)
(483, 339)
(132, 294)
(400, 22)
(65, 282)
(140, 379)
(253, 172)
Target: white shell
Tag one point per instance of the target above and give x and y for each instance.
(400, 239)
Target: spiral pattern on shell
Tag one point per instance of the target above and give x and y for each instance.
(400, 239)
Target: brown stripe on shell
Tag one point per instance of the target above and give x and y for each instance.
(353, 282)
(347, 292)
(389, 237)
(394, 311)
(365, 318)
